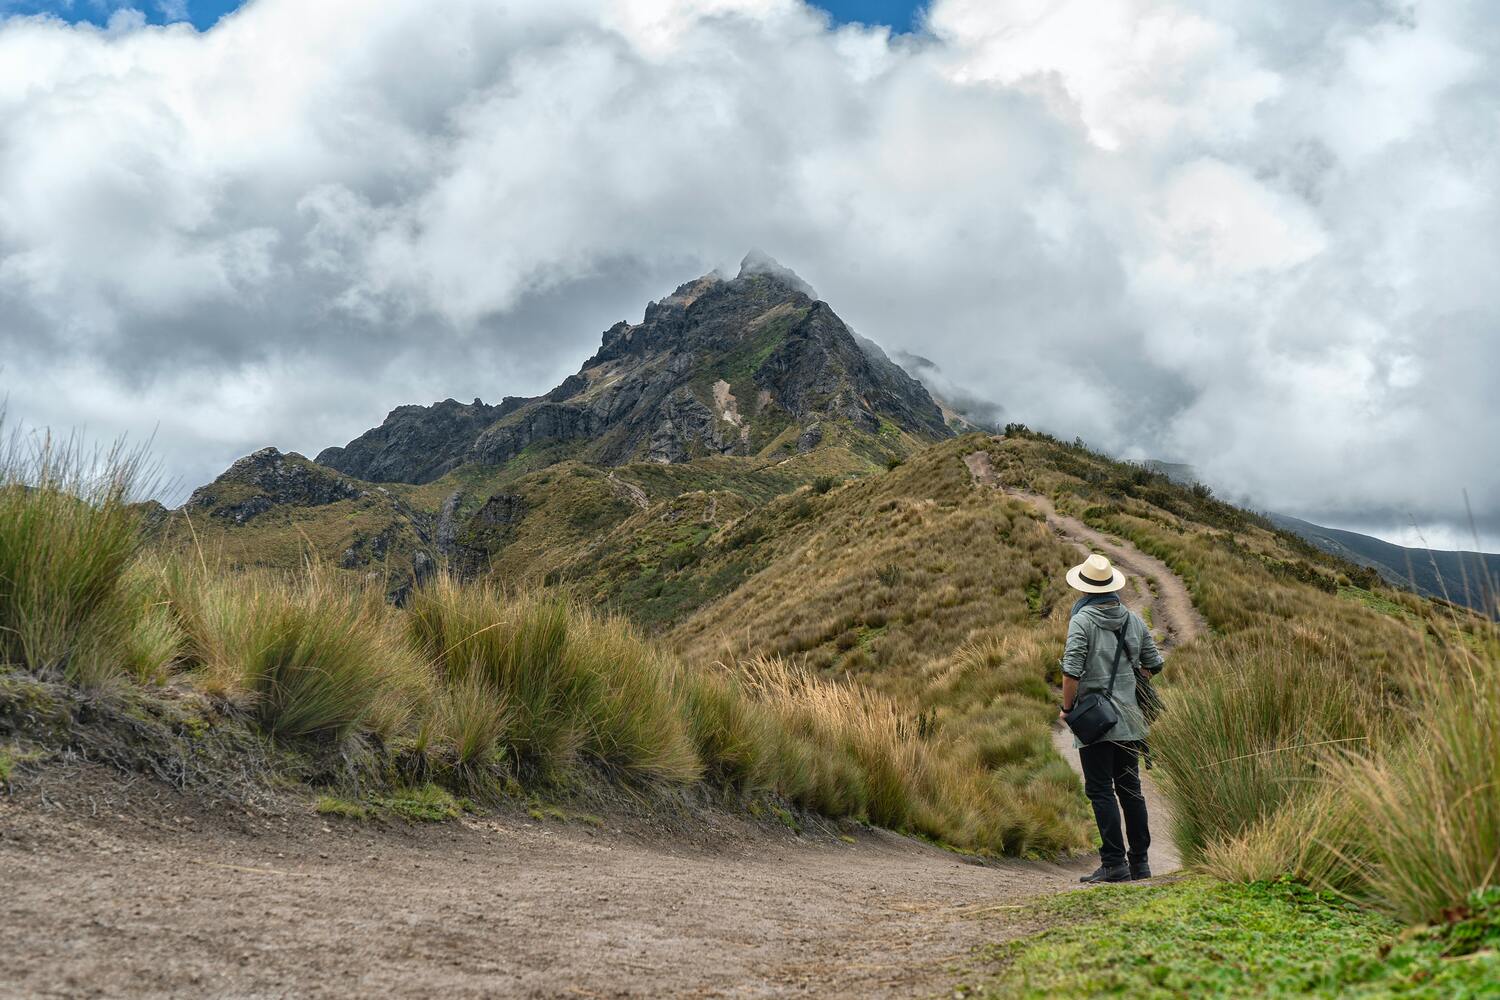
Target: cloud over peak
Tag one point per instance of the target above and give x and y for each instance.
(1256, 236)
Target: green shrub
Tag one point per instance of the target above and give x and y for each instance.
(575, 685)
(315, 655)
(68, 537)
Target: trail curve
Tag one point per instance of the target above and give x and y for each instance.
(1153, 591)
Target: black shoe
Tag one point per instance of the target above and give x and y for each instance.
(1117, 873)
(1140, 872)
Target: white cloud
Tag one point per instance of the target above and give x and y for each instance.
(1256, 236)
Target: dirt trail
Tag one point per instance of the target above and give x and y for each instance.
(1152, 591)
(115, 890)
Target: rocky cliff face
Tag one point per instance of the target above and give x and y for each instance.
(719, 367)
(266, 479)
(417, 444)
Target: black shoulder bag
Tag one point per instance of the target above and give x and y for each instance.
(1093, 714)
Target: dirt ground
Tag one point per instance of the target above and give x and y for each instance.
(116, 889)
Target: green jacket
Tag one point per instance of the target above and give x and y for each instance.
(1091, 650)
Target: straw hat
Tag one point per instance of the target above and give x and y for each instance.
(1095, 576)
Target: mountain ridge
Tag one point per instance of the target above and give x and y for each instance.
(743, 366)
(1458, 575)
(732, 390)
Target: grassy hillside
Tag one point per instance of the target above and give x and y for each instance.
(556, 513)
(1328, 728)
(468, 689)
(1320, 705)
(860, 641)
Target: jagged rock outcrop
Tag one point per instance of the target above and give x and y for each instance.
(656, 389)
(447, 525)
(546, 421)
(500, 512)
(265, 479)
(686, 421)
(417, 444)
(368, 549)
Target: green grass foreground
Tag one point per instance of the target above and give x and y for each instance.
(1203, 938)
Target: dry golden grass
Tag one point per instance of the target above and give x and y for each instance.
(1329, 728)
(1428, 812)
(944, 597)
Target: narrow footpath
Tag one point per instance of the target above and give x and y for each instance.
(1153, 591)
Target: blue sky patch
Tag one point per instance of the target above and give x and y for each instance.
(899, 14)
(202, 13)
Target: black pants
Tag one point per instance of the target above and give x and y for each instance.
(1111, 771)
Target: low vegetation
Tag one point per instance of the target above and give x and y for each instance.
(1203, 938)
(473, 689)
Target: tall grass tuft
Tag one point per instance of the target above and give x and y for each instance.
(470, 720)
(1429, 811)
(156, 640)
(574, 685)
(315, 655)
(1246, 730)
(68, 535)
(737, 738)
(1312, 838)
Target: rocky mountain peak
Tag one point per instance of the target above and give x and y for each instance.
(762, 263)
(741, 366)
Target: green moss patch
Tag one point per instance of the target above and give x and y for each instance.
(425, 804)
(332, 805)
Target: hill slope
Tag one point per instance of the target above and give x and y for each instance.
(1467, 578)
(746, 387)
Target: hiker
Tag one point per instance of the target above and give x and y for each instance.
(1108, 648)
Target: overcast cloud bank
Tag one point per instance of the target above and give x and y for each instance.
(1257, 236)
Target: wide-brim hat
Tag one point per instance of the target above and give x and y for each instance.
(1095, 575)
